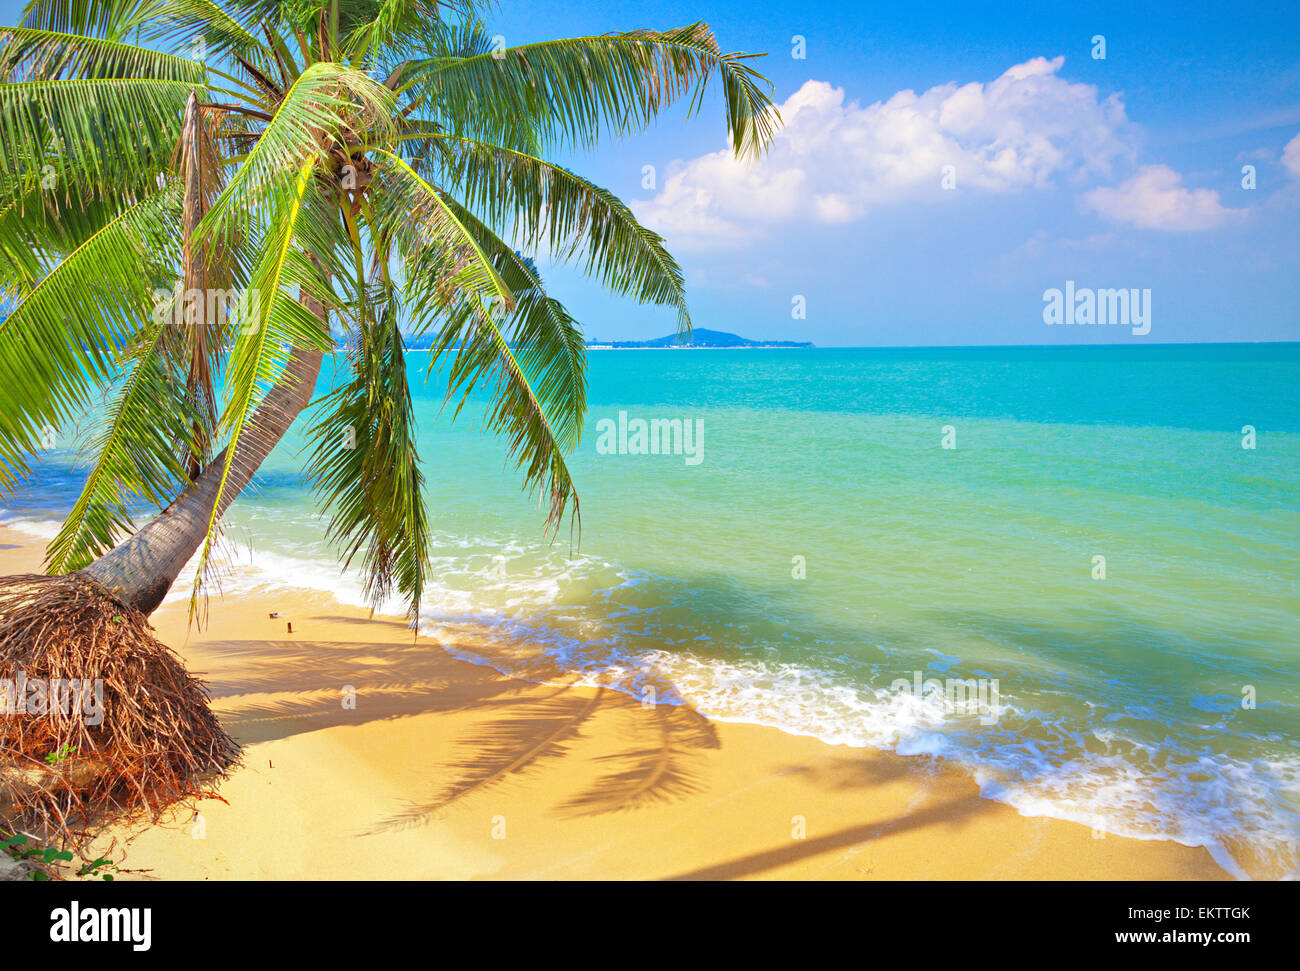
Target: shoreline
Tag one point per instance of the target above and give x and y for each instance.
(553, 780)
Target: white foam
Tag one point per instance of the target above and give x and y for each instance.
(45, 529)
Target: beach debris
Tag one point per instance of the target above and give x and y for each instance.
(275, 614)
(15, 869)
(129, 732)
(290, 627)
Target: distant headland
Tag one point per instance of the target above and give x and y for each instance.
(700, 338)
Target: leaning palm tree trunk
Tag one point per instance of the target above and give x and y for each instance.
(141, 569)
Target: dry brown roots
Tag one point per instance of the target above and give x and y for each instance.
(158, 742)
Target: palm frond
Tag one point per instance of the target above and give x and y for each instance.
(366, 467)
(373, 30)
(47, 55)
(66, 333)
(136, 458)
(280, 323)
(177, 23)
(111, 19)
(545, 203)
(564, 91)
(209, 266)
(92, 134)
(328, 101)
(38, 228)
(440, 257)
(547, 340)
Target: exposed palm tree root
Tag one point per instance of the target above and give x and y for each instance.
(157, 743)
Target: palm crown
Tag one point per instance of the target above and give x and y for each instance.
(349, 165)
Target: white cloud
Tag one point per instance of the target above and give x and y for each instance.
(1291, 156)
(1155, 198)
(834, 161)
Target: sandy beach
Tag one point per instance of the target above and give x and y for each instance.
(372, 753)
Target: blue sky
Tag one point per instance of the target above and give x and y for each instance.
(1123, 172)
(1147, 192)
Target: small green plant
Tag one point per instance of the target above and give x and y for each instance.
(46, 856)
(67, 751)
(17, 848)
(99, 868)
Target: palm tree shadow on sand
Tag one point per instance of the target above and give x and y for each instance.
(658, 763)
(271, 689)
(664, 743)
(266, 690)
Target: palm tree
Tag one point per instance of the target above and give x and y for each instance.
(350, 166)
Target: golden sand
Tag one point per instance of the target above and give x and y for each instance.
(373, 754)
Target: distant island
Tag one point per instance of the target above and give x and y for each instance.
(700, 337)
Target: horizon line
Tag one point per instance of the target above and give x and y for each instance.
(882, 347)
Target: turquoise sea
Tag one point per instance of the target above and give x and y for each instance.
(826, 547)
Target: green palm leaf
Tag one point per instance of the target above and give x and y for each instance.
(111, 19)
(67, 332)
(442, 258)
(382, 27)
(549, 204)
(547, 340)
(366, 466)
(177, 23)
(137, 459)
(326, 100)
(454, 287)
(565, 90)
(280, 323)
(47, 55)
(91, 133)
